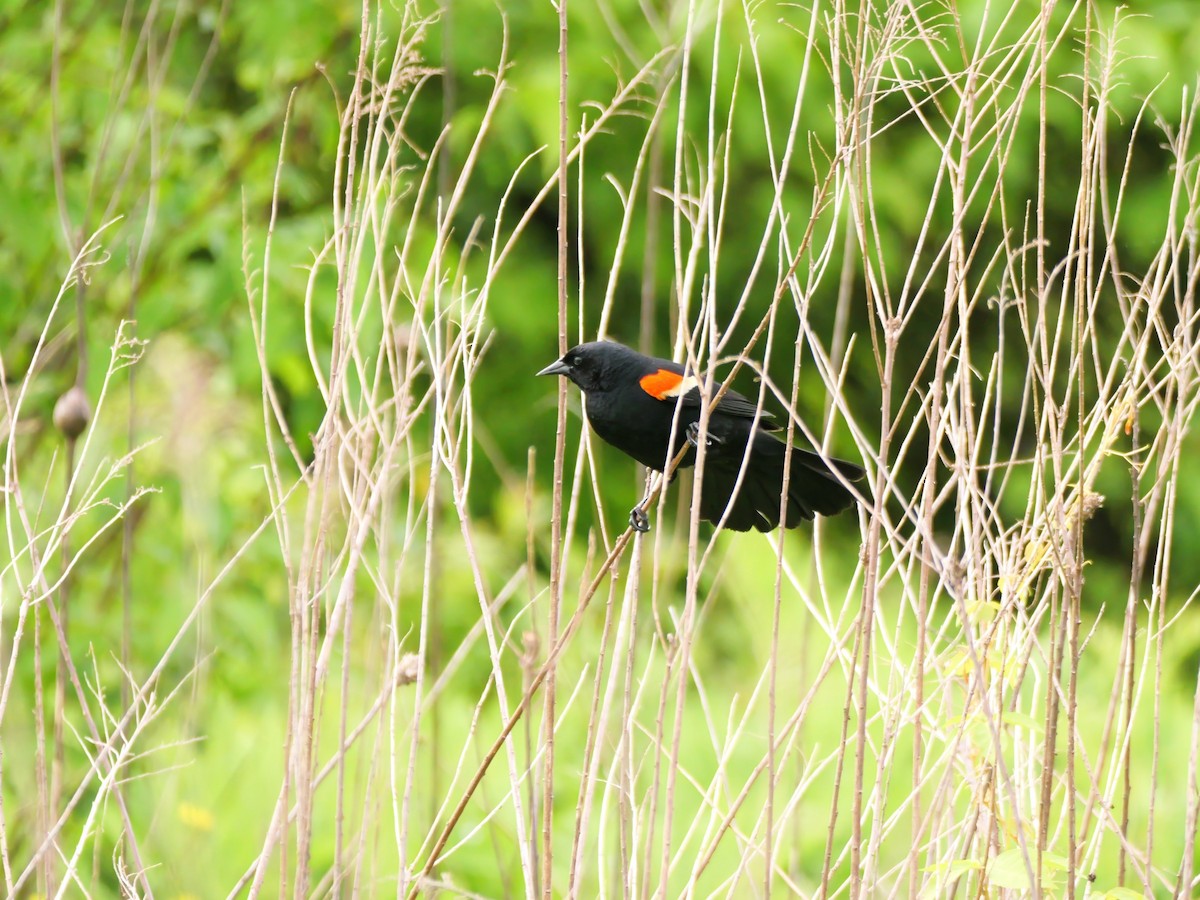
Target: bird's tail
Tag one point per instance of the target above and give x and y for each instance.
(813, 488)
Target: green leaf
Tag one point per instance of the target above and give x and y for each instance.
(1122, 893)
(1054, 863)
(955, 868)
(1021, 720)
(1008, 869)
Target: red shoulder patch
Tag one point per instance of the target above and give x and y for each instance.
(664, 384)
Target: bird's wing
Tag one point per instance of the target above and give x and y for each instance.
(670, 383)
(731, 404)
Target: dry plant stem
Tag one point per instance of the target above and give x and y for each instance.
(670, 656)
(101, 759)
(339, 849)
(927, 498)
(107, 787)
(830, 832)
(625, 876)
(857, 119)
(386, 699)
(64, 598)
(681, 283)
(452, 452)
(567, 633)
(39, 825)
(1155, 647)
(103, 749)
(530, 644)
(127, 522)
(1129, 643)
(156, 61)
(784, 735)
(429, 288)
(430, 639)
(493, 809)
(528, 660)
(779, 173)
(685, 274)
(773, 659)
(1083, 282)
(343, 250)
(1184, 884)
(404, 814)
(597, 718)
(1042, 288)
(310, 676)
(296, 612)
(556, 518)
(44, 810)
(335, 622)
(501, 738)
(66, 671)
(333, 439)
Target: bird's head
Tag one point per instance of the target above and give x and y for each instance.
(593, 366)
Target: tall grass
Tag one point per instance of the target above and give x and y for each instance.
(940, 714)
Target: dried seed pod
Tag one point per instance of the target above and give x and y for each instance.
(72, 413)
(408, 668)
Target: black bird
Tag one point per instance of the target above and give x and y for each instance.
(631, 403)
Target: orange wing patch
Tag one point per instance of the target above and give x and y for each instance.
(665, 385)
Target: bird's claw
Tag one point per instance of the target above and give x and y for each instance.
(692, 433)
(638, 520)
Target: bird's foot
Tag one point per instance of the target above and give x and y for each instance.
(638, 520)
(692, 433)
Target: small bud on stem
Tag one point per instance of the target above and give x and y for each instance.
(72, 413)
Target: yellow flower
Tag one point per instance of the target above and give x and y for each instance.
(196, 817)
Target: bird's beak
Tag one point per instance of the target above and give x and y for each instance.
(558, 367)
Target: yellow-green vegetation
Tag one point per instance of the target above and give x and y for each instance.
(308, 587)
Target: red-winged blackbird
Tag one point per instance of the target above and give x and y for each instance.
(631, 402)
